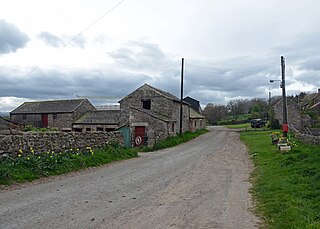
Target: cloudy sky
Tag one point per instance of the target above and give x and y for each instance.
(107, 48)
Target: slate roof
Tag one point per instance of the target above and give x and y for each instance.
(161, 92)
(52, 106)
(7, 124)
(100, 117)
(195, 115)
(195, 104)
(153, 114)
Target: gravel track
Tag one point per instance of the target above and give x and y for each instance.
(199, 184)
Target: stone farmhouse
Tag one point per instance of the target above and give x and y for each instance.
(58, 114)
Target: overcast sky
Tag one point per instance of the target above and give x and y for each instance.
(60, 49)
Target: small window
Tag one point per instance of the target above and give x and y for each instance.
(77, 129)
(55, 116)
(146, 104)
(99, 128)
(88, 129)
(24, 117)
(172, 128)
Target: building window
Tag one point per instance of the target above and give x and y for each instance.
(88, 129)
(77, 129)
(99, 128)
(146, 104)
(24, 117)
(55, 116)
(172, 128)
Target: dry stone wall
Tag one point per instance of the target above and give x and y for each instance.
(307, 138)
(13, 141)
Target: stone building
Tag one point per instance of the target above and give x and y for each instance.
(293, 110)
(195, 104)
(8, 125)
(153, 115)
(58, 114)
(196, 119)
(102, 120)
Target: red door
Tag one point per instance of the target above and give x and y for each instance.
(44, 120)
(139, 135)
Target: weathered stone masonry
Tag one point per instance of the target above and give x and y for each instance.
(306, 138)
(12, 142)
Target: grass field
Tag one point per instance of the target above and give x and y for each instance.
(286, 186)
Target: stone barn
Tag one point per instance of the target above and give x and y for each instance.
(153, 115)
(58, 114)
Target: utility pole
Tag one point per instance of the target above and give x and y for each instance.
(284, 99)
(181, 98)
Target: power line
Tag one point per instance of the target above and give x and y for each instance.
(227, 71)
(64, 46)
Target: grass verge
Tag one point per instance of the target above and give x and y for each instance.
(286, 185)
(30, 166)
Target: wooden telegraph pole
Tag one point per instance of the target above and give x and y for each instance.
(284, 99)
(181, 98)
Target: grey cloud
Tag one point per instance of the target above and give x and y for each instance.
(11, 38)
(57, 42)
(57, 83)
(50, 39)
(142, 55)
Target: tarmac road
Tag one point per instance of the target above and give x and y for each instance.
(199, 184)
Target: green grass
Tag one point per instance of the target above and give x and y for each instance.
(286, 186)
(31, 166)
(246, 126)
(28, 166)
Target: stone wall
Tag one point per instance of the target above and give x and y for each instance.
(293, 111)
(13, 141)
(306, 138)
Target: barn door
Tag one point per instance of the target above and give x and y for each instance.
(44, 119)
(139, 136)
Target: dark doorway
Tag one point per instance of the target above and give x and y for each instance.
(44, 120)
(139, 135)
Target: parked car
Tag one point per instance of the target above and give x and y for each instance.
(257, 123)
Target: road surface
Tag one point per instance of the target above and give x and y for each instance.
(199, 184)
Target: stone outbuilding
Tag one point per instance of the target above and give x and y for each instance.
(102, 120)
(58, 114)
(293, 110)
(196, 120)
(153, 115)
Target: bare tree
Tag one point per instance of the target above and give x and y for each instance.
(215, 113)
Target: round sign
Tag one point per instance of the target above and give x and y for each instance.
(138, 140)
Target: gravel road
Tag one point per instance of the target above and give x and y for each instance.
(199, 184)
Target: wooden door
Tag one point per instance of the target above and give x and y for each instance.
(139, 135)
(44, 120)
